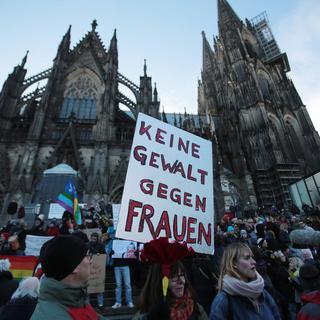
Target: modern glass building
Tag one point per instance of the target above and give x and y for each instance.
(306, 191)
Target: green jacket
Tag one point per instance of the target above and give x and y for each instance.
(58, 301)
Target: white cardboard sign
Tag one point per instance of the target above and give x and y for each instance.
(55, 211)
(169, 187)
(34, 244)
(115, 212)
(124, 249)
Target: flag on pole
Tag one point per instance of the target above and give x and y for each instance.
(68, 199)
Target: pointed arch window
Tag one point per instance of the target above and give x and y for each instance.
(81, 99)
(264, 83)
(295, 141)
(82, 108)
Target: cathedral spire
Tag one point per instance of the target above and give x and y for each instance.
(174, 119)
(94, 25)
(227, 18)
(24, 60)
(113, 42)
(145, 67)
(164, 116)
(155, 93)
(206, 52)
(66, 38)
(113, 48)
(64, 46)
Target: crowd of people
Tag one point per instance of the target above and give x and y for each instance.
(265, 266)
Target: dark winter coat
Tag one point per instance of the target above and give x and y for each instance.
(7, 286)
(19, 309)
(311, 309)
(284, 237)
(281, 281)
(203, 282)
(18, 252)
(162, 312)
(64, 229)
(281, 302)
(38, 231)
(96, 247)
(241, 308)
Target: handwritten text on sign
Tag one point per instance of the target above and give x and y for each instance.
(169, 187)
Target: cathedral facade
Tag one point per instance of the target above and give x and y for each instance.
(75, 119)
(263, 134)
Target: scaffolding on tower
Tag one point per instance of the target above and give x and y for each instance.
(267, 41)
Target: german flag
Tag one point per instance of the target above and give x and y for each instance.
(21, 266)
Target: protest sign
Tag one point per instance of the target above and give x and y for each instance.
(169, 187)
(97, 273)
(55, 211)
(115, 214)
(124, 249)
(34, 244)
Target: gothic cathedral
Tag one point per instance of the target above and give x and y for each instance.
(74, 119)
(264, 136)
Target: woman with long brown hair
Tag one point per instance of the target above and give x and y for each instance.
(177, 302)
(241, 288)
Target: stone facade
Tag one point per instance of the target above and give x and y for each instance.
(75, 119)
(264, 135)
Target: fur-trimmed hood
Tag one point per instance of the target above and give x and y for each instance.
(305, 237)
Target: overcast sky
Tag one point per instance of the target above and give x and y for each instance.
(167, 33)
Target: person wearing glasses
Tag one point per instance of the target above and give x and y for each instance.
(65, 262)
(180, 302)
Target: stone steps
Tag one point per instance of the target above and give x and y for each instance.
(122, 313)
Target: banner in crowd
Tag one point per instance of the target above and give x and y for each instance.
(115, 214)
(21, 266)
(169, 187)
(56, 211)
(34, 244)
(124, 249)
(97, 273)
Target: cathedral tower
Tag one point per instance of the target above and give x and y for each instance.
(264, 133)
(75, 119)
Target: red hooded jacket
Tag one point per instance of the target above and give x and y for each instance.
(311, 308)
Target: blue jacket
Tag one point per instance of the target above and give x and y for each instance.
(242, 308)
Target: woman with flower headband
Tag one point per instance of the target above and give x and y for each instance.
(241, 288)
(167, 293)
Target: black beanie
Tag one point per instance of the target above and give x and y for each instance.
(61, 255)
(309, 276)
(81, 235)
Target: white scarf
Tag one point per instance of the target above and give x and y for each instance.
(251, 290)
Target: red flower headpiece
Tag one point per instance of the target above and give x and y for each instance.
(166, 253)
